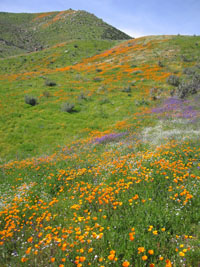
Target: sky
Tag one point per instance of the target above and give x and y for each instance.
(135, 17)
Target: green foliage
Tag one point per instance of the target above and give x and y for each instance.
(133, 83)
(68, 107)
(155, 93)
(160, 64)
(46, 94)
(191, 87)
(186, 59)
(104, 100)
(31, 100)
(137, 72)
(189, 70)
(82, 96)
(173, 80)
(50, 83)
(142, 102)
(98, 70)
(127, 89)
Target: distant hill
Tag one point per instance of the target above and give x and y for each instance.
(21, 33)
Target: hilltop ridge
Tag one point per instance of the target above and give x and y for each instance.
(27, 32)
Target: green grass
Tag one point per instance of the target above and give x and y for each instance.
(65, 54)
(29, 131)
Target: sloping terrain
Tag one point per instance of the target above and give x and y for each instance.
(31, 32)
(103, 168)
(104, 88)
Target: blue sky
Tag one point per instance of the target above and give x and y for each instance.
(135, 17)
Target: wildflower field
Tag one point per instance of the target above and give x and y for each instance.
(114, 181)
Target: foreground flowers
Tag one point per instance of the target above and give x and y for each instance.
(85, 216)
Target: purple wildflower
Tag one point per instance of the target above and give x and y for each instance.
(108, 138)
(177, 108)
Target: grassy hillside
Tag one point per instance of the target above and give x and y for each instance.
(103, 168)
(31, 32)
(104, 88)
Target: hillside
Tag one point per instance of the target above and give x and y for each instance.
(100, 153)
(25, 32)
(104, 88)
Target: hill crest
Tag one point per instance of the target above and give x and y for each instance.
(27, 32)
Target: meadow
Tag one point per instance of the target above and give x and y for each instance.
(114, 181)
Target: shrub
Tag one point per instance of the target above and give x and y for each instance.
(137, 72)
(127, 89)
(46, 94)
(97, 79)
(101, 89)
(50, 83)
(173, 80)
(99, 70)
(189, 88)
(185, 59)
(160, 64)
(67, 107)
(141, 102)
(133, 66)
(133, 83)
(78, 77)
(31, 100)
(172, 92)
(104, 101)
(153, 93)
(82, 96)
(189, 71)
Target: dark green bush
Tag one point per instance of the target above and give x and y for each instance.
(50, 83)
(127, 89)
(160, 64)
(173, 80)
(82, 96)
(189, 88)
(185, 59)
(31, 100)
(68, 107)
(189, 71)
(99, 70)
(137, 72)
(133, 66)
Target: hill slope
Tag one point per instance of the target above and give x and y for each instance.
(104, 88)
(104, 169)
(30, 32)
